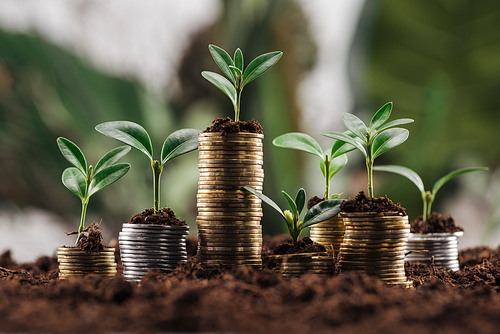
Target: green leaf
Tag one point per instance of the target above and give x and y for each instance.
(381, 116)
(178, 143)
(238, 59)
(337, 164)
(223, 60)
(439, 183)
(237, 73)
(222, 83)
(387, 140)
(73, 154)
(404, 171)
(355, 125)
(392, 124)
(292, 204)
(300, 200)
(299, 141)
(260, 65)
(340, 147)
(265, 199)
(345, 138)
(322, 211)
(111, 157)
(129, 133)
(75, 181)
(107, 176)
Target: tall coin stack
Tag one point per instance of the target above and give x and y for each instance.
(148, 246)
(229, 230)
(442, 248)
(75, 262)
(329, 232)
(375, 244)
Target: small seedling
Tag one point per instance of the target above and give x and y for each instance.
(317, 214)
(85, 181)
(329, 167)
(374, 140)
(427, 196)
(178, 143)
(236, 72)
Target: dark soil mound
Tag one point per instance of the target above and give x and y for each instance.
(435, 223)
(165, 217)
(227, 125)
(367, 204)
(91, 239)
(472, 256)
(305, 245)
(313, 201)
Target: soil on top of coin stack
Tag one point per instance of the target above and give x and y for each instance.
(435, 223)
(90, 240)
(227, 125)
(362, 203)
(304, 245)
(164, 217)
(313, 201)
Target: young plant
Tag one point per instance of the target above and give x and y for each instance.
(85, 181)
(372, 140)
(178, 143)
(427, 196)
(237, 73)
(329, 166)
(317, 214)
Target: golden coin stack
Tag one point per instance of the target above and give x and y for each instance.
(75, 262)
(375, 244)
(229, 230)
(329, 233)
(294, 265)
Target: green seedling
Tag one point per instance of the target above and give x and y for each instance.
(329, 167)
(317, 214)
(372, 140)
(427, 196)
(178, 143)
(237, 73)
(85, 181)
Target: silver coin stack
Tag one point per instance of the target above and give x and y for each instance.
(442, 248)
(229, 230)
(375, 244)
(295, 265)
(147, 246)
(75, 262)
(329, 233)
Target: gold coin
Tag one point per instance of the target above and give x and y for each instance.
(209, 172)
(223, 178)
(228, 205)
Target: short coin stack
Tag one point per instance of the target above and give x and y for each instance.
(375, 244)
(442, 248)
(294, 265)
(229, 230)
(75, 262)
(329, 232)
(148, 246)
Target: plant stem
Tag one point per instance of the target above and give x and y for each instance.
(427, 208)
(327, 178)
(237, 106)
(157, 169)
(84, 211)
(369, 165)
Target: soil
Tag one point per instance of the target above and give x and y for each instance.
(227, 125)
(164, 217)
(362, 203)
(313, 201)
(90, 240)
(304, 245)
(435, 223)
(195, 299)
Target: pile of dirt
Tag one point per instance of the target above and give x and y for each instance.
(227, 125)
(313, 201)
(435, 223)
(304, 245)
(164, 217)
(362, 203)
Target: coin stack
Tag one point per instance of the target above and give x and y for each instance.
(375, 244)
(442, 248)
(229, 230)
(75, 262)
(329, 232)
(295, 265)
(148, 246)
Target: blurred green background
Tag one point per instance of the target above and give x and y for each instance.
(437, 60)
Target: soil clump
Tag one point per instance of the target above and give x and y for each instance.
(304, 245)
(313, 201)
(164, 217)
(435, 223)
(362, 203)
(227, 125)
